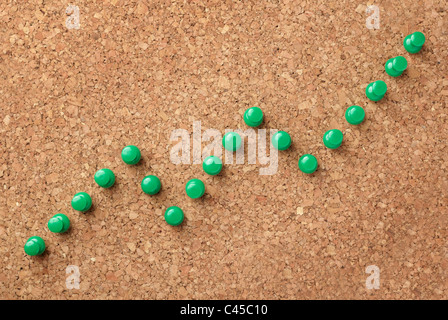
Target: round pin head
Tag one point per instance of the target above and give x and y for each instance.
(308, 163)
(281, 140)
(379, 88)
(55, 225)
(231, 141)
(418, 39)
(130, 155)
(195, 188)
(212, 165)
(400, 64)
(59, 223)
(151, 185)
(81, 202)
(174, 216)
(253, 117)
(105, 178)
(355, 115)
(333, 138)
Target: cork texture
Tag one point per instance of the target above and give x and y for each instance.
(134, 71)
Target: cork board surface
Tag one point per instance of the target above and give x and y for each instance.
(136, 70)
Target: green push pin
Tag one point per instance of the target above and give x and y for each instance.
(396, 66)
(253, 117)
(151, 185)
(174, 216)
(413, 43)
(195, 188)
(59, 223)
(376, 90)
(34, 246)
(308, 163)
(281, 140)
(131, 155)
(333, 138)
(355, 115)
(212, 165)
(231, 141)
(81, 202)
(105, 178)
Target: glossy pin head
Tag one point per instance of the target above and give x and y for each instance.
(308, 163)
(376, 90)
(105, 178)
(195, 188)
(34, 246)
(151, 185)
(396, 66)
(130, 155)
(281, 140)
(413, 43)
(333, 138)
(81, 202)
(253, 117)
(231, 141)
(212, 165)
(174, 216)
(59, 223)
(355, 115)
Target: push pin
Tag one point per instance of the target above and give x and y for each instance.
(333, 138)
(253, 117)
(81, 202)
(231, 141)
(105, 178)
(281, 140)
(34, 246)
(131, 155)
(308, 163)
(59, 223)
(396, 66)
(174, 216)
(195, 188)
(355, 115)
(212, 165)
(376, 90)
(413, 43)
(151, 185)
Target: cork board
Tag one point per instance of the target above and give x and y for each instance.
(134, 71)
